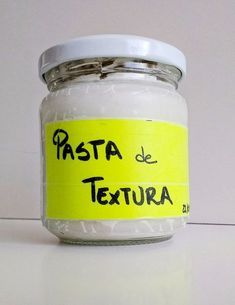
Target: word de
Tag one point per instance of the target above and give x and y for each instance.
(144, 158)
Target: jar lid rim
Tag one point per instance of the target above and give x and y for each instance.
(112, 45)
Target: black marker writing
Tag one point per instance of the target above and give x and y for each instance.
(144, 158)
(83, 151)
(126, 195)
(92, 181)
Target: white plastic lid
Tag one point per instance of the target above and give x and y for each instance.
(114, 45)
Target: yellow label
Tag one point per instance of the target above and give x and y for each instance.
(116, 169)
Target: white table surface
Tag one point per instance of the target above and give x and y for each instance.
(196, 267)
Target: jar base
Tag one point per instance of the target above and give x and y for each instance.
(114, 232)
(124, 242)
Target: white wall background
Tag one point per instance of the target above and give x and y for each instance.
(202, 29)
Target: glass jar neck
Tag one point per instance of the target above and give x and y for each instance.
(109, 68)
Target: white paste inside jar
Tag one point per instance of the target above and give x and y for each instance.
(118, 96)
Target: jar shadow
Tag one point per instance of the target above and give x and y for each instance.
(138, 274)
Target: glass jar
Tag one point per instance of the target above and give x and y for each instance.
(114, 141)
